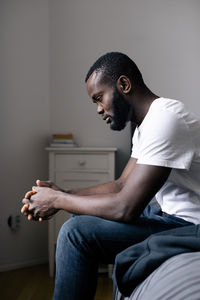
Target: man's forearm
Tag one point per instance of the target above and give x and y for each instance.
(110, 187)
(105, 206)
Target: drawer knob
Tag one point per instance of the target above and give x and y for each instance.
(82, 162)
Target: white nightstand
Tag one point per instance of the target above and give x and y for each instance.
(76, 168)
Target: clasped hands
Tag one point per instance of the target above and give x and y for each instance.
(39, 203)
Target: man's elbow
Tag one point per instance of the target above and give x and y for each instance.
(129, 217)
(126, 218)
(125, 213)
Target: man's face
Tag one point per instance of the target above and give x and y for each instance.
(110, 103)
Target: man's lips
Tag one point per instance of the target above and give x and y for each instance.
(108, 119)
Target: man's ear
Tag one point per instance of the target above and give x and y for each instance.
(124, 84)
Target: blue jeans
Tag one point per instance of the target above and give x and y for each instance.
(84, 241)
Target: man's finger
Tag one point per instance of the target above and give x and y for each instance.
(25, 201)
(43, 183)
(39, 182)
(30, 217)
(34, 218)
(29, 194)
(24, 208)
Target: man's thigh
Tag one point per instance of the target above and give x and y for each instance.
(107, 238)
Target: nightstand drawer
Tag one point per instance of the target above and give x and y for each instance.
(81, 162)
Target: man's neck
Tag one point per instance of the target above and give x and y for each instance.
(140, 104)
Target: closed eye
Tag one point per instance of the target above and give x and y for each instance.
(97, 98)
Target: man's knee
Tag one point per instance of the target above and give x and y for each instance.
(82, 224)
(79, 232)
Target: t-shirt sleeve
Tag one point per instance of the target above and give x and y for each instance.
(163, 140)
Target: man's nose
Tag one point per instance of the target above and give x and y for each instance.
(100, 109)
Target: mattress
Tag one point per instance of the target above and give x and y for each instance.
(177, 278)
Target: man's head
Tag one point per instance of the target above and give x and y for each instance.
(110, 81)
(115, 64)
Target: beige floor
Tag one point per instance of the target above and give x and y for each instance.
(34, 283)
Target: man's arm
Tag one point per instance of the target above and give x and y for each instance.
(140, 184)
(109, 187)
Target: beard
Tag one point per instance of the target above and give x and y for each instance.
(121, 110)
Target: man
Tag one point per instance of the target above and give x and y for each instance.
(165, 162)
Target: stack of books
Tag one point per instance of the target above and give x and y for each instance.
(63, 140)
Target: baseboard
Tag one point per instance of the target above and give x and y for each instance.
(23, 264)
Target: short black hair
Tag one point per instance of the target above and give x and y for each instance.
(115, 64)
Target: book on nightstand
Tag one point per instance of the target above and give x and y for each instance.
(62, 140)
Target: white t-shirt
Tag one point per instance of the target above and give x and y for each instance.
(169, 136)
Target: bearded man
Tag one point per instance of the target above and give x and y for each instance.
(165, 163)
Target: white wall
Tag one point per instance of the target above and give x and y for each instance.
(161, 36)
(24, 109)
